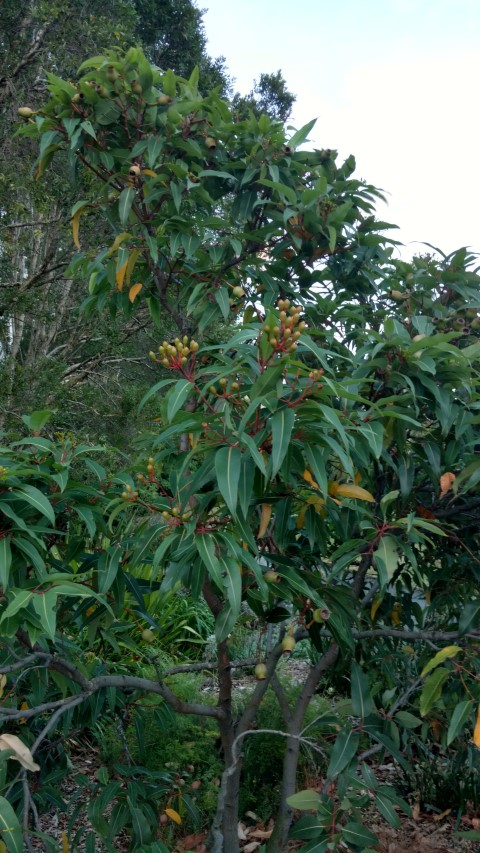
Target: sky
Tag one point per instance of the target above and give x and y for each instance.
(394, 82)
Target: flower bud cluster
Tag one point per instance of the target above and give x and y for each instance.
(284, 336)
(176, 355)
(129, 494)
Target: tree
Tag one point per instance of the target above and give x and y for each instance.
(319, 465)
(269, 96)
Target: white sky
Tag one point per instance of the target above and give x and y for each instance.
(394, 82)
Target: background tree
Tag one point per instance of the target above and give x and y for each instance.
(317, 467)
(49, 355)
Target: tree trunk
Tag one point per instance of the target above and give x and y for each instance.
(283, 820)
(223, 835)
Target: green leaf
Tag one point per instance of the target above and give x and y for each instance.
(157, 387)
(460, 715)
(20, 598)
(5, 561)
(470, 617)
(37, 499)
(10, 829)
(407, 720)
(232, 583)
(300, 135)
(441, 656)
(385, 558)
(432, 689)
(227, 470)
(281, 425)
(178, 395)
(225, 623)
(362, 702)
(343, 752)
(125, 202)
(282, 189)
(108, 565)
(305, 800)
(206, 547)
(44, 605)
(358, 835)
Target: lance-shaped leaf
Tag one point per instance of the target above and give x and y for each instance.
(227, 470)
(44, 605)
(21, 752)
(343, 751)
(232, 582)
(460, 715)
(5, 561)
(108, 568)
(441, 656)
(77, 211)
(361, 700)
(206, 547)
(10, 829)
(282, 425)
(432, 689)
(125, 202)
(178, 395)
(385, 558)
(36, 499)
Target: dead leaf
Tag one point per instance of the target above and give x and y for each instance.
(22, 752)
(264, 520)
(253, 845)
(442, 815)
(446, 482)
(416, 811)
(241, 831)
(261, 833)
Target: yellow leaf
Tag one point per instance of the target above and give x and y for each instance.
(264, 520)
(134, 291)
(76, 227)
(428, 596)
(308, 477)
(131, 263)
(173, 815)
(352, 491)
(357, 478)
(476, 731)
(23, 707)
(440, 657)
(300, 522)
(446, 482)
(65, 845)
(149, 172)
(375, 605)
(120, 275)
(117, 242)
(3, 681)
(395, 614)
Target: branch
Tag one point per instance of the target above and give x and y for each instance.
(28, 57)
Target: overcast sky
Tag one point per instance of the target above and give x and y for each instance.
(394, 82)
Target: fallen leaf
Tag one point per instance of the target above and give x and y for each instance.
(416, 811)
(442, 815)
(261, 833)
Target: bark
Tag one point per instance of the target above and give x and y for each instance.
(283, 820)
